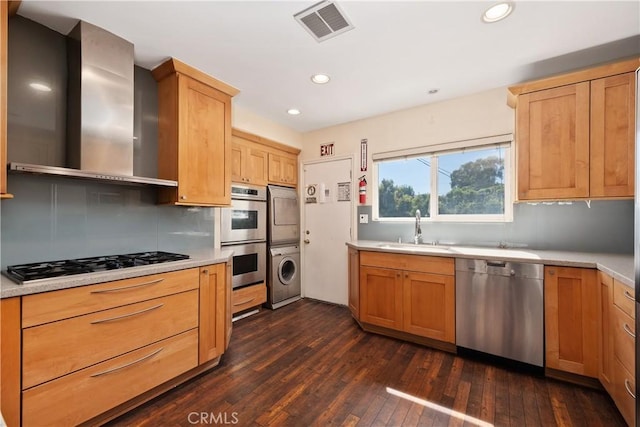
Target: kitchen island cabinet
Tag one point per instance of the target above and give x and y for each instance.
(571, 320)
(194, 135)
(411, 294)
(575, 134)
(121, 342)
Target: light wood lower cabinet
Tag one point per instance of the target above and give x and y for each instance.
(248, 297)
(99, 350)
(78, 397)
(418, 300)
(102, 335)
(354, 282)
(623, 331)
(571, 320)
(213, 301)
(605, 337)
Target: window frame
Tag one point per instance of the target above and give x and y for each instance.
(502, 141)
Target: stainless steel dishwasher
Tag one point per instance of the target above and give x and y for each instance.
(500, 309)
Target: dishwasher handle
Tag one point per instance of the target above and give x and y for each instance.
(500, 264)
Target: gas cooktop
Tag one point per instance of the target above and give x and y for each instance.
(46, 270)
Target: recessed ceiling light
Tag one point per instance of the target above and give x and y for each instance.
(433, 91)
(40, 87)
(293, 111)
(320, 79)
(497, 12)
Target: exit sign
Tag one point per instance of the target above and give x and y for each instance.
(326, 150)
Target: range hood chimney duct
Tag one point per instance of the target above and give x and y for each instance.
(100, 99)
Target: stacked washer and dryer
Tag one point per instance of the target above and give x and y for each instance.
(283, 257)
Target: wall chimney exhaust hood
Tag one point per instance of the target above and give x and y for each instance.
(100, 99)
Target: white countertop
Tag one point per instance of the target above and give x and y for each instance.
(619, 266)
(8, 288)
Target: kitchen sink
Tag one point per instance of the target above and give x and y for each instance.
(422, 247)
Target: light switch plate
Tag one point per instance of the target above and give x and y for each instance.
(364, 218)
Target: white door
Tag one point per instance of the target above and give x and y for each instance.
(327, 199)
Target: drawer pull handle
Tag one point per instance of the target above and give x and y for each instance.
(244, 302)
(627, 385)
(117, 368)
(628, 295)
(628, 330)
(135, 313)
(124, 288)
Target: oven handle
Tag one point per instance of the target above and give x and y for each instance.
(124, 288)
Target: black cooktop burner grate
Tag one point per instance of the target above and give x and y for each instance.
(46, 270)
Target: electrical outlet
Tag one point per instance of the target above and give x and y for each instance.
(364, 218)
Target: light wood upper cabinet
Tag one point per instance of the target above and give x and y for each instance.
(552, 129)
(283, 169)
(249, 163)
(194, 138)
(612, 136)
(575, 134)
(260, 161)
(571, 320)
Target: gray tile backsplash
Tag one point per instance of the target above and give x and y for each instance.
(606, 226)
(57, 218)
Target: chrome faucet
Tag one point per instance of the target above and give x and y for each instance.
(417, 238)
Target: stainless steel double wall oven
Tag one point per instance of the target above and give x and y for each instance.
(244, 230)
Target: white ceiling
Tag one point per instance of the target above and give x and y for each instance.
(396, 53)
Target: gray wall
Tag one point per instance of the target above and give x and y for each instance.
(53, 218)
(61, 218)
(607, 226)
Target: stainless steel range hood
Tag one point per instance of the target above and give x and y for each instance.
(100, 99)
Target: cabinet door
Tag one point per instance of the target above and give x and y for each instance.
(553, 143)
(256, 166)
(429, 305)
(236, 162)
(204, 144)
(571, 320)
(605, 332)
(381, 297)
(213, 312)
(612, 136)
(283, 169)
(354, 282)
(4, 19)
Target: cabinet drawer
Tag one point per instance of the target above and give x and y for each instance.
(419, 263)
(624, 391)
(623, 298)
(80, 396)
(51, 306)
(248, 297)
(58, 348)
(624, 344)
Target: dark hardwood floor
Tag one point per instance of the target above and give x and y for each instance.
(309, 363)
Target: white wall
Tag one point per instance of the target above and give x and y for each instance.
(248, 121)
(479, 115)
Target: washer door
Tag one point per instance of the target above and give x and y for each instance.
(287, 270)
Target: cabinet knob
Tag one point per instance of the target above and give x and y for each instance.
(552, 272)
(406, 275)
(183, 197)
(205, 271)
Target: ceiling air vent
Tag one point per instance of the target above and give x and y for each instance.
(324, 20)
